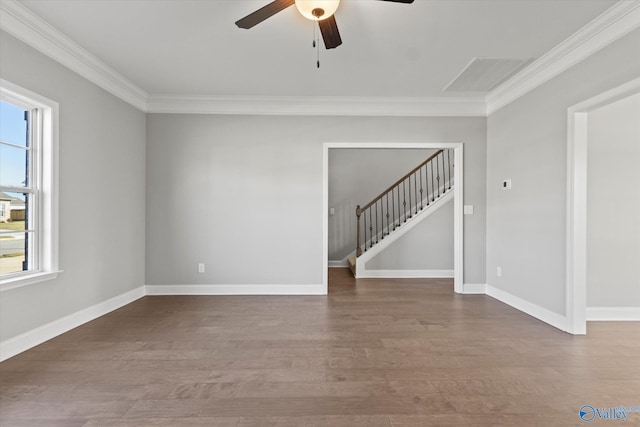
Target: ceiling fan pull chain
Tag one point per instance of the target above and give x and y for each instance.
(317, 43)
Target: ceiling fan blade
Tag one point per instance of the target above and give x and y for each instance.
(400, 1)
(263, 13)
(330, 33)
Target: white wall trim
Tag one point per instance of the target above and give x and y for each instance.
(474, 288)
(614, 314)
(540, 313)
(34, 337)
(325, 218)
(241, 289)
(23, 24)
(458, 219)
(576, 238)
(620, 19)
(407, 274)
(317, 105)
(339, 264)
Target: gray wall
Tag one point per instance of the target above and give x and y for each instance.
(102, 192)
(527, 142)
(429, 246)
(243, 194)
(613, 195)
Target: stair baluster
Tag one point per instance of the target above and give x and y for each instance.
(449, 164)
(388, 229)
(433, 182)
(416, 193)
(421, 207)
(393, 209)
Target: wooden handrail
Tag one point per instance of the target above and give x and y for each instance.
(398, 182)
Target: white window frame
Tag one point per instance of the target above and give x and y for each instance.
(44, 175)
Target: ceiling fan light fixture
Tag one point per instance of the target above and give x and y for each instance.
(317, 10)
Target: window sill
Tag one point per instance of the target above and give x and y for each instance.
(27, 279)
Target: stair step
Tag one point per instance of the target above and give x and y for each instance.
(352, 265)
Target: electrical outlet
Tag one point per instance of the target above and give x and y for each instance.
(499, 271)
(201, 268)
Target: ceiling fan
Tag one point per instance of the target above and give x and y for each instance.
(321, 11)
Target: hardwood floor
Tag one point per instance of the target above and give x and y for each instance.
(373, 353)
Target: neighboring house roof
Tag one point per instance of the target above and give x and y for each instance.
(13, 200)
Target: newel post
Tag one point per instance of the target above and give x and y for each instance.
(358, 250)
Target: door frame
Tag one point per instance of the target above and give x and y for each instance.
(458, 202)
(576, 233)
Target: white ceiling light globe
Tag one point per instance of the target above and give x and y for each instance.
(317, 10)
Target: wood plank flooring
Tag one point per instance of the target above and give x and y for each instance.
(373, 353)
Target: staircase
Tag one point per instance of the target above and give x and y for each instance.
(402, 206)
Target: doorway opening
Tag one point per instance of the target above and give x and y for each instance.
(576, 238)
(458, 237)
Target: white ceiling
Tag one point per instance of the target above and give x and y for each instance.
(192, 47)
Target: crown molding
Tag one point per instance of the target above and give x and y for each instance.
(620, 19)
(23, 24)
(316, 106)
(614, 23)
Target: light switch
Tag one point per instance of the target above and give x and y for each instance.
(468, 209)
(506, 184)
(332, 211)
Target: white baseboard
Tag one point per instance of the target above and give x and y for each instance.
(27, 340)
(315, 289)
(540, 313)
(339, 264)
(406, 274)
(474, 288)
(34, 337)
(613, 314)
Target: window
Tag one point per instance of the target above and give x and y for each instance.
(28, 198)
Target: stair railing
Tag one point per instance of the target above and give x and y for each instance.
(409, 195)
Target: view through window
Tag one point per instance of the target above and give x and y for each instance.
(28, 187)
(18, 190)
